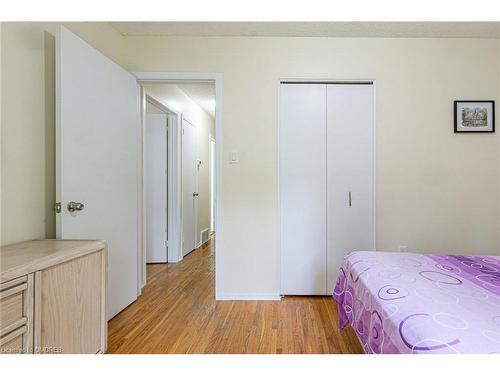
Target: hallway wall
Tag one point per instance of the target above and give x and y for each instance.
(435, 191)
(174, 97)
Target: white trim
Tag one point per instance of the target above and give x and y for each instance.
(58, 130)
(324, 80)
(174, 255)
(163, 106)
(168, 77)
(249, 297)
(374, 179)
(211, 164)
(278, 200)
(196, 202)
(174, 188)
(158, 77)
(141, 257)
(174, 250)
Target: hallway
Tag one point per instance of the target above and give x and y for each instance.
(177, 313)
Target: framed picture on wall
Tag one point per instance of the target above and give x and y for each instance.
(474, 116)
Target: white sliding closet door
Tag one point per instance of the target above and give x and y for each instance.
(350, 134)
(302, 181)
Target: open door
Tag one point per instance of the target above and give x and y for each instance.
(156, 187)
(97, 159)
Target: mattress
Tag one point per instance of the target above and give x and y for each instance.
(419, 303)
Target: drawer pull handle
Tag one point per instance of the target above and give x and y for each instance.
(13, 326)
(14, 290)
(11, 336)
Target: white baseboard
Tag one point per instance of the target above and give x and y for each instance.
(248, 297)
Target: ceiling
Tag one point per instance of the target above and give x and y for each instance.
(314, 29)
(202, 94)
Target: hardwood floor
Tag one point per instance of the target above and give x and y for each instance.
(177, 313)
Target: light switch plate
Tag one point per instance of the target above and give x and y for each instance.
(233, 157)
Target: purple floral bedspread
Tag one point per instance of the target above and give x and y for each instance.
(416, 303)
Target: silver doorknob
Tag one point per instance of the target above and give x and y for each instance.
(75, 206)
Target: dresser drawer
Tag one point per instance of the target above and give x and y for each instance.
(16, 315)
(14, 342)
(11, 304)
(53, 297)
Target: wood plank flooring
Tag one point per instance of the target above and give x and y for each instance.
(177, 313)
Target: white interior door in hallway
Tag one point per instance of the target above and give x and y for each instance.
(189, 187)
(156, 173)
(326, 181)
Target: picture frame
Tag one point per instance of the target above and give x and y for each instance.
(474, 116)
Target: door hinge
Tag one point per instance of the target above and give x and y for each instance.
(57, 207)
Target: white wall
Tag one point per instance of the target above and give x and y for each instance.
(28, 124)
(174, 97)
(25, 108)
(436, 191)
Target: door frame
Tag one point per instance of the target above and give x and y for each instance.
(211, 144)
(195, 214)
(171, 117)
(306, 80)
(177, 77)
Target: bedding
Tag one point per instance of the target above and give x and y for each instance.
(419, 303)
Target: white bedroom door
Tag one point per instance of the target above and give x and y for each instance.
(302, 188)
(350, 173)
(189, 187)
(156, 188)
(97, 159)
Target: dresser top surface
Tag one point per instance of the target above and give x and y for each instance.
(25, 257)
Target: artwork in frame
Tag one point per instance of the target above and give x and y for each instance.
(474, 116)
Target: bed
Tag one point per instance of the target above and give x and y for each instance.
(420, 303)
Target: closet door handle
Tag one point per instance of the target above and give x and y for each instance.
(350, 200)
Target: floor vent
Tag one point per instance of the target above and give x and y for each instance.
(204, 235)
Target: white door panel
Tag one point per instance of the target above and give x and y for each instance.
(350, 134)
(189, 187)
(302, 188)
(97, 138)
(156, 188)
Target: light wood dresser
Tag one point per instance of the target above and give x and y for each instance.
(53, 297)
